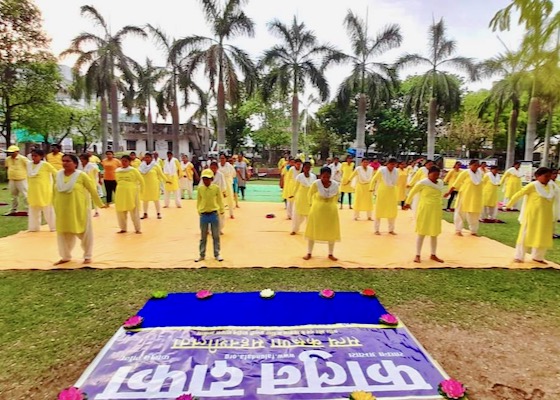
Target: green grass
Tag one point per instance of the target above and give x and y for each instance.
(9, 225)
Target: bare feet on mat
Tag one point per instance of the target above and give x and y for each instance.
(417, 259)
(540, 262)
(138, 232)
(87, 261)
(145, 216)
(307, 257)
(355, 218)
(518, 261)
(377, 233)
(60, 262)
(459, 233)
(475, 234)
(292, 233)
(369, 219)
(435, 258)
(96, 214)
(165, 206)
(121, 232)
(393, 233)
(332, 258)
(231, 217)
(158, 216)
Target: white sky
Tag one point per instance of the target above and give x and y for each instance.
(467, 22)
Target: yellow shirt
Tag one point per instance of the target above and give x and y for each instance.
(152, 181)
(135, 163)
(55, 160)
(347, 170)
(94, 159)
(451, 176)
(130, 184)
(386, 203)
(401, 184)
(209, 199)
(429, 212)
(40, 191)
(17, 167)
(470, 195)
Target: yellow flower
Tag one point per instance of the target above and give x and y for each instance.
(362, 396)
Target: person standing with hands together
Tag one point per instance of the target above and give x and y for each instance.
(210, 206)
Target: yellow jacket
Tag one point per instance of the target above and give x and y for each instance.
(209, 199)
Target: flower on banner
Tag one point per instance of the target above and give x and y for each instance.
(369, 293)
(159, 294)
(361, 396)
(267, 294)
(452, 389)
(204, 294)
(327, 293)
(389, 319)
(186, 396)
(72, 393)
(133, 322)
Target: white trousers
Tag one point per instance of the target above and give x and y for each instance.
(297, 220)
(357, 214)
(157, 204)
(167, 196)
(490, 212)
(18, 188)
(420, 243)
(34, 219)
(186, 185)
(311, 244)
(134, 217)
(230, 200)
(391, 222)
(537, 253)
(66, 242)
(290, 208)
(517, 205)
(471, 218)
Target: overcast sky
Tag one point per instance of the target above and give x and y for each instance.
(467, 23)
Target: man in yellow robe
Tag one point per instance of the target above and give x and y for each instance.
(72, 204)
(130, 184)
(537, 217)
(512, 183)
(55, 157)
(347, 169)
(384, 184)
(172, 171)
(469, 202)
(209, 203)
(301, 199)
(363, 176)
(490, 191)
(40, 178)
(153, 179)
(17, 177)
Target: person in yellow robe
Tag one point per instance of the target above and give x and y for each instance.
(210, 205)
(93, 158)
(73, 192)
(450, 177)
(130, 184)
(286, 185)
(229, 173)
(346, 169)
(420, 174)
(291, 176)
(469, 202)
(512, 183)
(40, 178)
(153, 179)
(537, 217)
(16, 165)
(172, 171)
(363, 176)
(401, 182)
(490, 191)
(134, 160)
(384, 184)
(55, 157)
(301, 196)
(92, 170)
(429, 212)
(188, 173)
(323, 223)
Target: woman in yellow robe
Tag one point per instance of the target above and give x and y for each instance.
(384, 184)
(364, 199)
(153, 179)
(512, 183)
(401, 182)
(130, 184)
(469, 202)
(491, 185)
(286, 183)
(420, 174)
(449, 179)
(301, 196)
(172, 170)
(429, 212)
(73, 193)
(347, 169)
(92, 170)
(291, 176)
(537, 216)
(323, 224)
(40, 177)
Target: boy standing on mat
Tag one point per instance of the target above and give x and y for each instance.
(210, 206)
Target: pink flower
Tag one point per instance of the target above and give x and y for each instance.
(204, 294)
(133, 322)
(186, 397)
(452, 389)
(388, 319)
(72, 393)
(327, 293)
(368, 293)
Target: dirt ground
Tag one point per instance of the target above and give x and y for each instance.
(515, 357)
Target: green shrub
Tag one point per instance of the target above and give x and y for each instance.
(3, 174)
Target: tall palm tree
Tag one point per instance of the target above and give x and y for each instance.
(370, 79)
(221, 61)
(293, 63)
(540, 29)
(437, 86)
(108, 58)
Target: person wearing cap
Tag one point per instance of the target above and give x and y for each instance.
(40, 178)
(16, 165)
(210, 206)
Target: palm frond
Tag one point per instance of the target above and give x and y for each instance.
(389, 38)
(210, 9)
(463, 64)
(242, 60)
(239, 24)
(92, 13)
(281, 30)
(355, 27)
(188, 44)
(412, 60)
(86, 38)
(161, 39)
(436, 36)
(445, 50)
(318, 79)
(130, 30)
(347, 90)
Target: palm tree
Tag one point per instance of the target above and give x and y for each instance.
(221, 61)
(370, 79)
(306, 118)
(293, 63)
(540, 29)
(106, 59)
(436, 86)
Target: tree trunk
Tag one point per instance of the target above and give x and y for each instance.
(544, 159)
(150, 131)
(531, 128)
(295, 124)
(432, 115)
(8, 132)
(512, 133)
(114, 103)
(361, 123)
(104, 113)
(175, 127)
(221, 102)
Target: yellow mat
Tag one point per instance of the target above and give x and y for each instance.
(251, 240)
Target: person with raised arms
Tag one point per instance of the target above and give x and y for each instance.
(323, 223)
(130, 185)
(346, 170)
(153, 179)
(490, 191)
(40, 178)
(301, 196)
(384, 184)
(172, 171)
(469, 202)
(73, 192)
(511, 184)
(364, 199)
(429, 212)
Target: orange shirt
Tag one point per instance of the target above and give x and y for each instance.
(109, 168)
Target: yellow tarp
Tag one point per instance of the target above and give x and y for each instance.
(251, 240)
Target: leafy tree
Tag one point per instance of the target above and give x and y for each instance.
(236, 130)
(370, 80)
(395, 134)
(437, 87)
(342, 124)
(87, 127)
(53, 121)
(467, 131)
